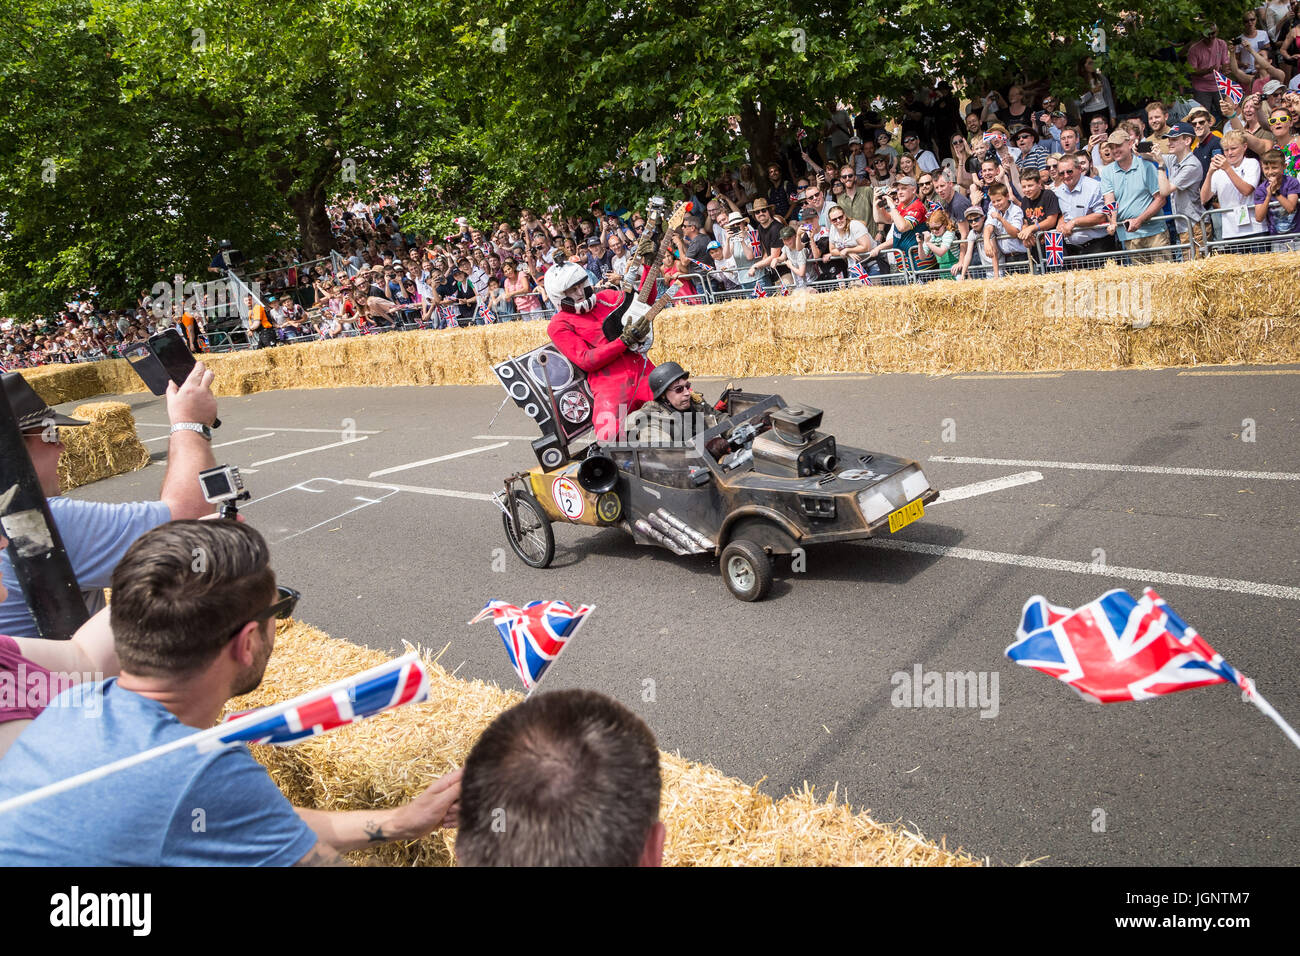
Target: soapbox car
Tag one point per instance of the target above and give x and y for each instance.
(763, 481)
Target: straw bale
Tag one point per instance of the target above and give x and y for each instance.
(1222, 310)
(107, 446)
(712, 819)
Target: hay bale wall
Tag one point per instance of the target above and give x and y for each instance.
(107, 446)
(712, 819)
(1220, 311)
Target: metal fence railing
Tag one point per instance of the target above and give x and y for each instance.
(1237, 231)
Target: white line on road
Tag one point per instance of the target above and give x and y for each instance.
(238, 440)
(321, 431)
(1142, 469)
(145, 441)
(319, 524)
(1267, 371)
(431, 461)
(308, 451)
(153, 425)
(441, 492)
(986, 487)
(972, 378)
(1087, 567)
(506, 437)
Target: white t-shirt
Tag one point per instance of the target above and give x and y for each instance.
(926, 162)
(1241, 221)
(843, 240)
(796, 257)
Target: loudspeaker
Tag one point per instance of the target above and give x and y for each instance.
(598, 474)
(548, 451)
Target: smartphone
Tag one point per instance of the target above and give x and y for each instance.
(145, 364)
(174, 355)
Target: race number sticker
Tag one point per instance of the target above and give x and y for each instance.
(568, 497)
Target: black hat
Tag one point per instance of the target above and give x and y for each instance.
(29, 408)
(663, 376)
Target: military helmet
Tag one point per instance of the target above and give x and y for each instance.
(663, 376)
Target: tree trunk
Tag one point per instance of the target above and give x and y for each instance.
(313, 224)
(759, 129)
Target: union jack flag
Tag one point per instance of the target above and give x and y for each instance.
(755, 244)
(1230, 91)
(397, 682)
(535, 634)
(932, 206)
(857, 271)
(448, 314)
(1054, 248)
(801, 134)
(1116, 648)
(991, 138)
(759, 292)
(1110, 207)
(486, 314)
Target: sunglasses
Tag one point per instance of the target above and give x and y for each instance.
(678, 389)
(282, 608)
(1278, 120)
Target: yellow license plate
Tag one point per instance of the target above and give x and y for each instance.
(905, 515)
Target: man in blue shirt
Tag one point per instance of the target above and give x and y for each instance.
(96, 535)
(188, 641)
(1133, 184)
(1083, 218)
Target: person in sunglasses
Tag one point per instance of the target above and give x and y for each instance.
(189, 635)
(676, 414)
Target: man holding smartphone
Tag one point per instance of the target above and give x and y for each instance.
(96, 535)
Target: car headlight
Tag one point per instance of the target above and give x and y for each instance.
(892, 493)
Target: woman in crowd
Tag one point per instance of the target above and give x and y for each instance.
(1097, 99)
(964, 157)
(520, 289)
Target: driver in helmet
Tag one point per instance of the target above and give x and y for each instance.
(616, 373)
(676, 415)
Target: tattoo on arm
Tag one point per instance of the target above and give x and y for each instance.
(375, 832)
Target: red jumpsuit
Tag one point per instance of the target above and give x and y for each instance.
(617, 376)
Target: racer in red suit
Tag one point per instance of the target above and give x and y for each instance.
(617, 374)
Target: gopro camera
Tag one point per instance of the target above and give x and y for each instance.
(223, 486)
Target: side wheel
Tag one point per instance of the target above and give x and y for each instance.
(533, 539)
(746, 569)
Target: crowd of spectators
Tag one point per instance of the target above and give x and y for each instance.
(947, 188)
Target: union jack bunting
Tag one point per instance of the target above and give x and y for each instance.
(535, 634)
(1054, 248)
(1230, 91)
(1116, 648)
(398, 682)
(759, 292)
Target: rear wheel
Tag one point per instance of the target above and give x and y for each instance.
(532, 539)
(746, 569)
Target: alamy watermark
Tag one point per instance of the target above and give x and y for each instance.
(1081, 295)
(948, 689)
(36, 688)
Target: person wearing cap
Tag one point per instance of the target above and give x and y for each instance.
(1133, 184)
(675, 415)
(1033, 154)
(722, 267)
(96, 535)
(857, 157)
(1181, 176)
(1248, 118)
(1207, 144)
(741, 250)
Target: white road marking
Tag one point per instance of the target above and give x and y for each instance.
(1141, 469)
(145, 441)
(420, 490)
(1087, 567)
(1268, 371)
(238, 440)
(153, 425)
(368, 503)
(308, 451)
(972, 378)
(506, 437)
(986, 487)
(431, 461)
(321, 431)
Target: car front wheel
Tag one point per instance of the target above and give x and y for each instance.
(747, 570)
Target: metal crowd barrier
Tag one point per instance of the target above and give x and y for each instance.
(1258, 239)
(1169, 252)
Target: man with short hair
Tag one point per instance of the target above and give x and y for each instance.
(188, 642)
(907, 214)
(567, 778)
(1134, 186)
(1083, 216)
(693, 243)
(925, 160)
(1070, 139)
(95, 534)
(1206, 56)
(858, 201)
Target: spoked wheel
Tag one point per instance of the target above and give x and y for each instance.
(533, 539)
(746, 569)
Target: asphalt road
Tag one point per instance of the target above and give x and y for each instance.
(801, 687)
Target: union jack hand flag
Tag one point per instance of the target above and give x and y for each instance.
(448, 315)
(857, 271)
(397, 682)
(755, 244)
(759, 292)
(1110, 207)
(1054, 248)
(991, 138)
(535, 634)
(932, 206)
(1116, 648)
(1230, 91)
(486, 314)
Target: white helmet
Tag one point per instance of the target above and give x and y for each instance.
(559, 279)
